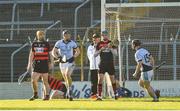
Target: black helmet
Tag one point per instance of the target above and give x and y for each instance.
(136, 42)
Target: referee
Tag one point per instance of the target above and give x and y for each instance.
(94, 64)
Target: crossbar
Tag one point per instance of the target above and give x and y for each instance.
(162, 4)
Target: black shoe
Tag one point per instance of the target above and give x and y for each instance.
(46, 98)
(155, 100)
(157, 92)
(33, 98)
(116, 97)
(70, 98)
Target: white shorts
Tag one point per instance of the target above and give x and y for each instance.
(66, 68)
(147, 76)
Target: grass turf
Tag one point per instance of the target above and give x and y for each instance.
(89, 104)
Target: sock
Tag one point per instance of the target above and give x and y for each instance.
(70, 92)
(114, 88)
(99, 89)
(35, 93)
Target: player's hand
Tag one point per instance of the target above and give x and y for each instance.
(102, 49)
(110, 45)
(154, 68)
(50, 66)
(135, 75)
(59, 59)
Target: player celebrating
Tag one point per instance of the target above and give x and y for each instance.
(39, 57)
(145, 64)
(106, 52)
(66, 50)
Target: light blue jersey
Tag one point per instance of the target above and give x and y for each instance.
(66, 49)
(144, 56)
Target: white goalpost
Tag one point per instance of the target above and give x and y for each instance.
(132, 20)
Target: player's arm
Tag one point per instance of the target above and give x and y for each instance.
(114, 51)
(152, 60)
(138, 59)
(51, 59)
(30, 60)
(138, 69)
(98, 50)
(89, 53)
(55, 53)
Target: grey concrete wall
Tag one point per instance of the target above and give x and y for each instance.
(16, 91)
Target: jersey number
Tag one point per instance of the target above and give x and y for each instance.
(147, 58)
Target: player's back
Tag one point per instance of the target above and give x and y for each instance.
(143, 55)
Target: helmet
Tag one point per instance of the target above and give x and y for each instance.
(65, 32)
(136, 42)
(105, 32)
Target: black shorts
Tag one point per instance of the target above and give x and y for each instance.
(40, 66)
(107, 67)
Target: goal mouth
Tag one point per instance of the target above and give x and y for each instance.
(156, 24)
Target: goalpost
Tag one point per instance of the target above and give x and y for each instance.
(156, 24)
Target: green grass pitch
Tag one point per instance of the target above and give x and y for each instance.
(89, 104)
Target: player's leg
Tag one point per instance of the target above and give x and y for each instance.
(65, 80)
(111, 72)
(34, 83)
(100, 81)
(146, 77)
(56, 94)
(94, 81)
(68, 73)
(66, 70)
(141, 83)
(102, 70)
(150, 90)
(113, 82)
(62, 67)
(46, 85)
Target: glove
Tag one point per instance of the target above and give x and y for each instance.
(60, 59)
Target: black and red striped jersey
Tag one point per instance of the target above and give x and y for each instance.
(56, 84)
(106, 55)
(41, 50)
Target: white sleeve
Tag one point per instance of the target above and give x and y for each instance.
(90, 53)
(57, 45)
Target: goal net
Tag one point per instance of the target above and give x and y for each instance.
(157, 25)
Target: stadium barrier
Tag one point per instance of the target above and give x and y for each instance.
(83, 89)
